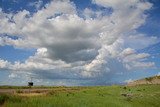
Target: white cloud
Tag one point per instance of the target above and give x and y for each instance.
(127, 52)
(123, 4)
(126, 17)
(13, 75)
(68, 44)
(4, 64)
(128, 81)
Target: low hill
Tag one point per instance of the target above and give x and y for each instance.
(147, 80)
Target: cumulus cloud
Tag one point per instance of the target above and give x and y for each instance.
(70, 46)
(4, 64)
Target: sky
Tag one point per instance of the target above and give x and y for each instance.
(78, 42)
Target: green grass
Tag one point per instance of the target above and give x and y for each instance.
(100, 96)
(9, 98)
(26, 87)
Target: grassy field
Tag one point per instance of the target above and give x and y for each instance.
(100, 96)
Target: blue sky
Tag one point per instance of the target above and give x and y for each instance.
(78, 42)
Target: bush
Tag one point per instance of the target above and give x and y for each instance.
(125, 88)
(149, 79)
(19, 91)
(11, 98)
(158, 77)
(3, 98)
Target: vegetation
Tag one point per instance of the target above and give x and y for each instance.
(149, 79)
(26, 87)
(9, 98)
(99, 96)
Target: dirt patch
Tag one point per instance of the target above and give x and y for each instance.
(31, 94)
(38, 91)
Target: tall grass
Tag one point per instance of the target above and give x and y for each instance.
(9, 98)
(105, 96)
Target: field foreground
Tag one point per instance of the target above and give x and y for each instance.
(99, 96)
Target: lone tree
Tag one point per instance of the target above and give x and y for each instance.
(30, 83)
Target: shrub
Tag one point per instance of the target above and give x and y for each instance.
(10, 98)
(149, 79)
(3, 98)
(19, 91)
(158, 77)
(125, 88)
